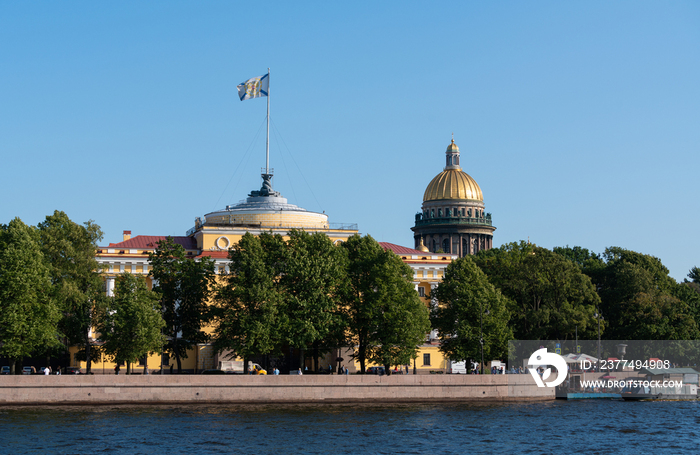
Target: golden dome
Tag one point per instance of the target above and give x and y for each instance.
(422, 247)
(453, 184)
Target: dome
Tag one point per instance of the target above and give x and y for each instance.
(453, 184)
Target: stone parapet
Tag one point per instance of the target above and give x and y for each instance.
(123, 389)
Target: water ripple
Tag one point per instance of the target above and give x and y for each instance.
(595, 427)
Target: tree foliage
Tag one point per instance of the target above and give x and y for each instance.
(184, 287)
(130, 323)
(312, 280)
(248, 318)
(28, 314)
(466, 301)
(550, 297)
(386, 319)
(641, 301)
(402, 319)
(77, 286)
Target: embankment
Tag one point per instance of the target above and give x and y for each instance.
(122, 389)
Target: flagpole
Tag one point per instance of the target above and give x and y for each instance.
(267, 142)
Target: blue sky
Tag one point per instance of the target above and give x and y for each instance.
(579, 120)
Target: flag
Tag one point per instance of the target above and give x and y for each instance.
(255, 87)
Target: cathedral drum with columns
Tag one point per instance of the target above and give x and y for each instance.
(453, 217)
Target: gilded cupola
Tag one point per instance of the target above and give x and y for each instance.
(453, 182)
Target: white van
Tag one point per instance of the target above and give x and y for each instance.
(458, 367)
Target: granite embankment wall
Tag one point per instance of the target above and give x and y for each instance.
(123, 389)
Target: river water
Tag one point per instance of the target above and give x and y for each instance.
(560, 427)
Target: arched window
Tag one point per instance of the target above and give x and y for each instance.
(447, 212)
(446, 246)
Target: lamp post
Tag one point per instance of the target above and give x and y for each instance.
(621, 351)
(599, 317)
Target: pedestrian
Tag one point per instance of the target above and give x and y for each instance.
(116, 369)
(47, 371)
(276, 372)
(330, 369)
(58, 370)
(300, 373)
(347, 371)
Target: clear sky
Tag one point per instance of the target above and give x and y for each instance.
(579, 120)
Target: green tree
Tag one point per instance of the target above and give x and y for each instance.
(376, 303)
(28, 314)
(130, 324)
(75, 274)
(184, 287)
(655, 316)
(467, 301)
(589, 262)
(694, 275)
(248, 315)
(641, 301)
(314, 274)
(551, 298)
(401, 318)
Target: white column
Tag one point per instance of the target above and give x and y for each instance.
(110, 286)
(433, 305)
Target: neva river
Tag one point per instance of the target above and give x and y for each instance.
(561, 427)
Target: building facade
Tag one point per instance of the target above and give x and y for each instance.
(264, 210)
(451, 224)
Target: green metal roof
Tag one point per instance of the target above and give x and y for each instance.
(657, 371)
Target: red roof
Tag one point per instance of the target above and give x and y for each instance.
(398, 249)
(151, 241)
(214, 254)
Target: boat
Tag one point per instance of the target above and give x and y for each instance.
(685, 392)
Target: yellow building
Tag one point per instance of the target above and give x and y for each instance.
(428, 270)
(452, 219)
(264, 210)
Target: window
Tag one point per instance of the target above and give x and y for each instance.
(446, 246)
(421, 291)
(426, 359)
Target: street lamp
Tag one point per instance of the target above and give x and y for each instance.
(621, 351)
(599, 317)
